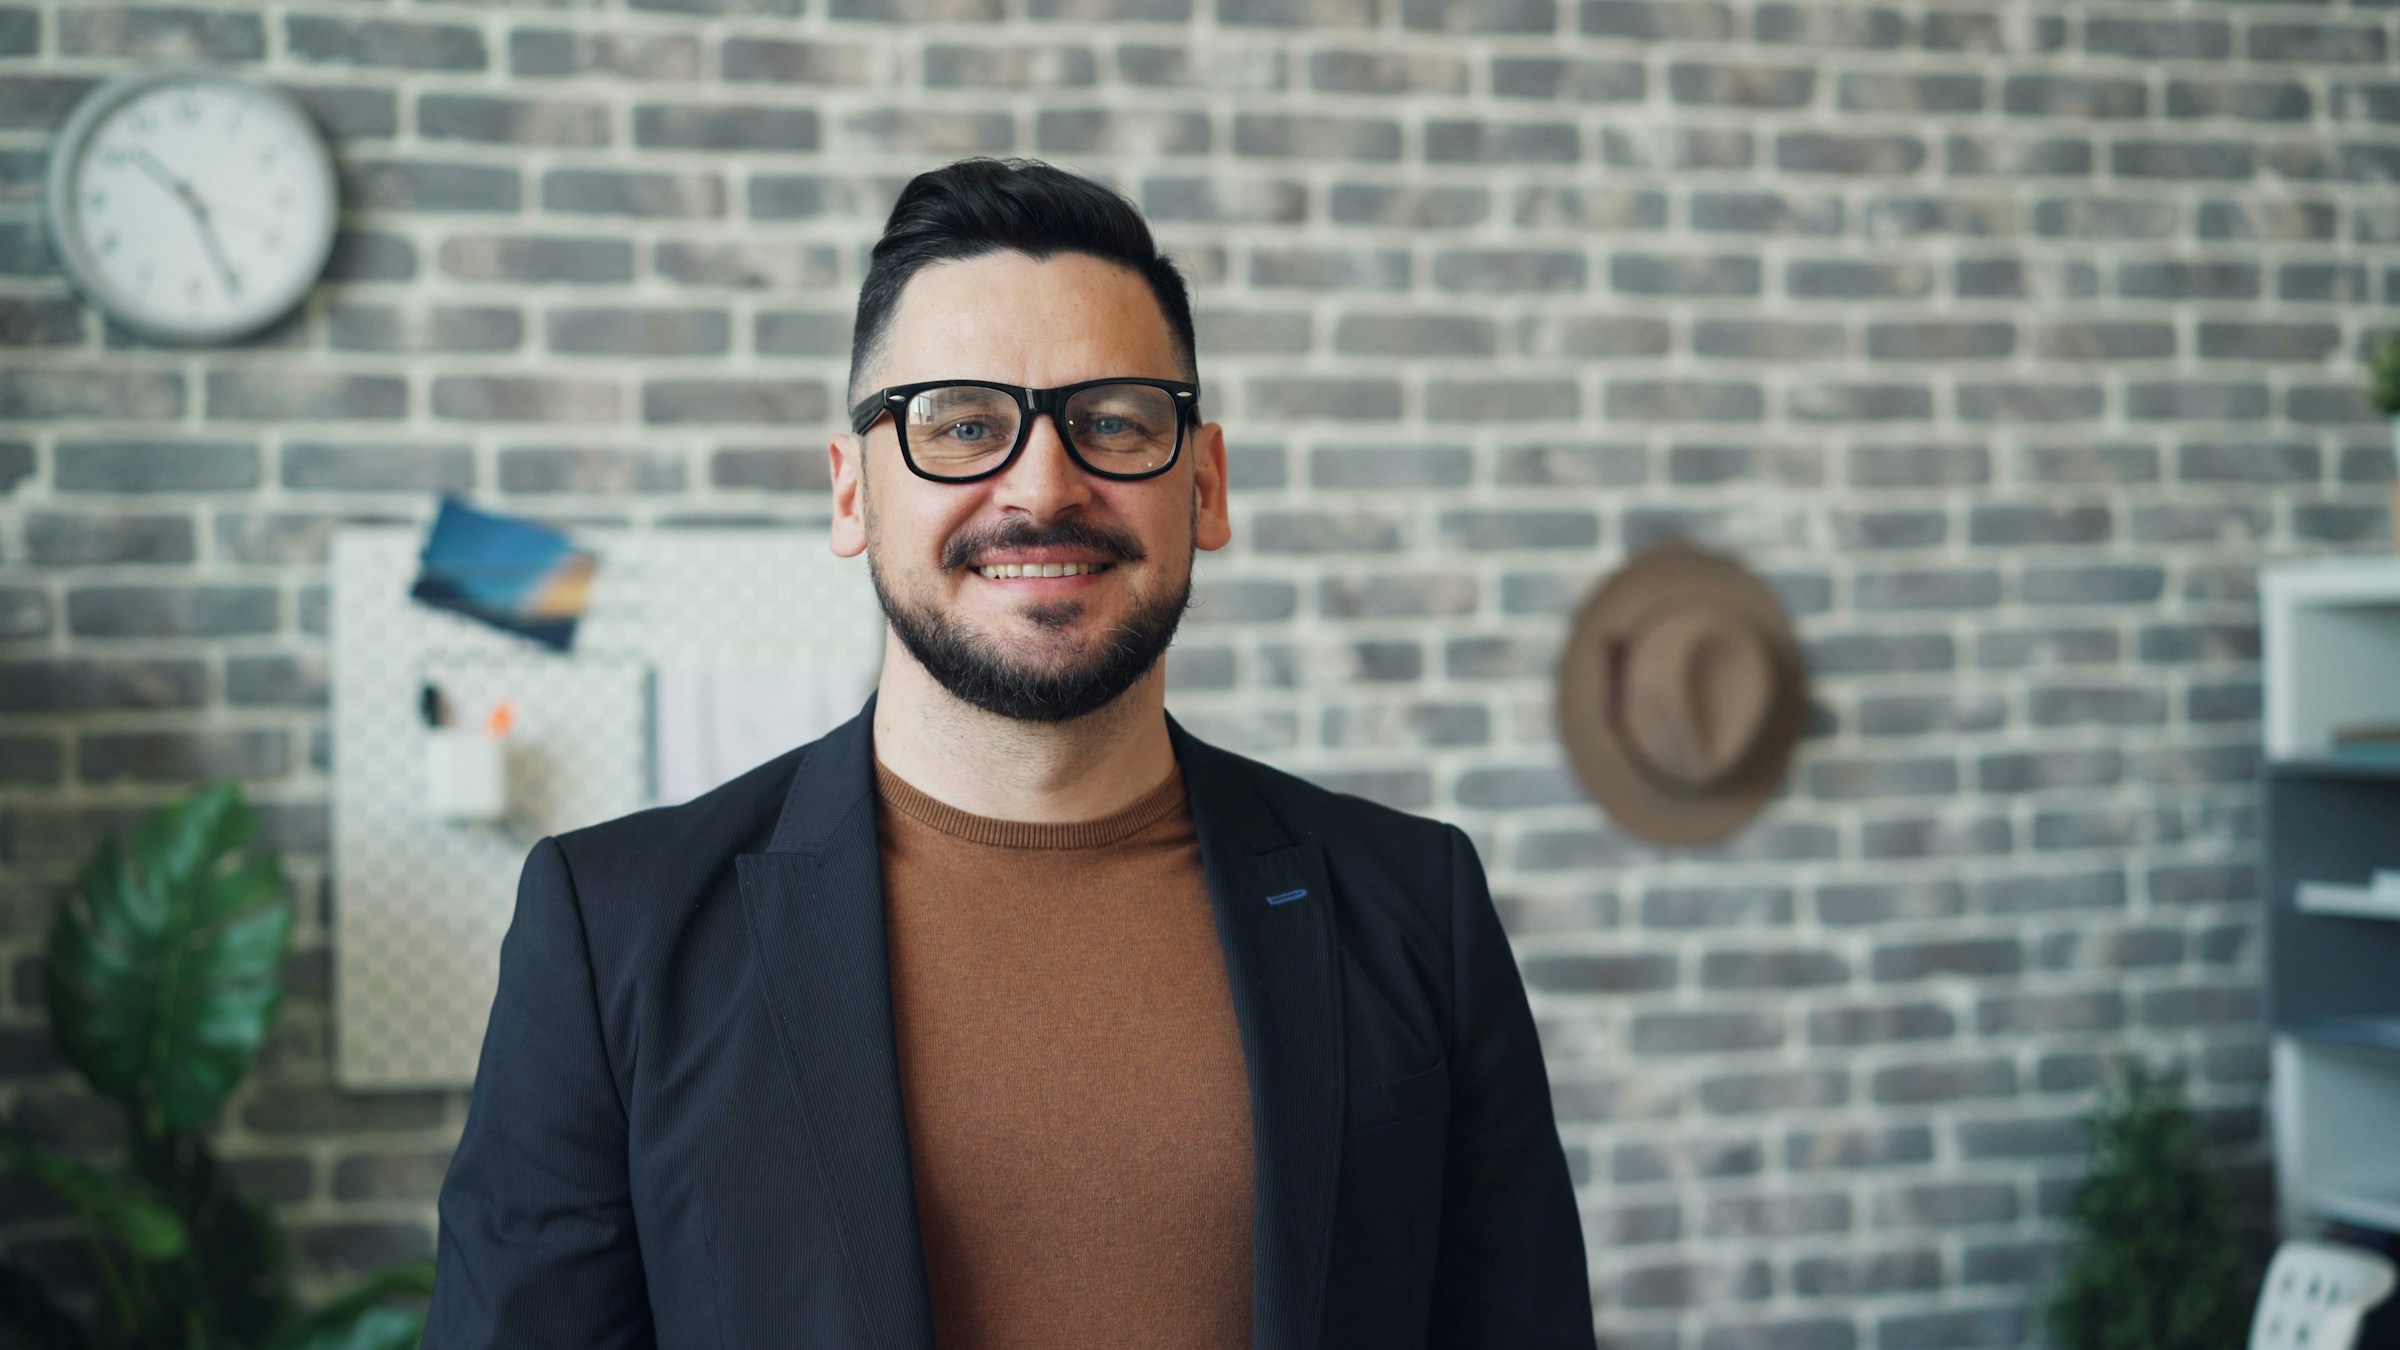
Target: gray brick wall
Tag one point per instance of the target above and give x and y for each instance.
(2006, 338)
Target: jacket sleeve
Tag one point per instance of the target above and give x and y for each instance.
(1511, 1269)
(537, 1246)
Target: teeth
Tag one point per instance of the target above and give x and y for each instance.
(1002, 571)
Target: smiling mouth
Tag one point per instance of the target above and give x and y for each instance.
(1006, 571)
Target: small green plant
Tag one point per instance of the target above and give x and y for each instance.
(163, 973)
(2153, 1264)
(2383, 376)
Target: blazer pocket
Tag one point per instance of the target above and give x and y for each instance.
(1382, 1103)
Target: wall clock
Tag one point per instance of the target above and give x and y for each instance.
(192, 206)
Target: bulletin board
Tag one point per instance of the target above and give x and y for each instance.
(421, 902)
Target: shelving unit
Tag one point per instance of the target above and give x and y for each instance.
(2331, 631)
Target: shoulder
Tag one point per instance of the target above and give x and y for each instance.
(653, 867)
(1350, 828)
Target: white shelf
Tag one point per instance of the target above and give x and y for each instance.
(2364, 1208)
(2348, 902)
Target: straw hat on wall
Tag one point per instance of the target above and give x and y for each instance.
(1681, 694)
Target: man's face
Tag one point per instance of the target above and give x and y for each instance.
(1039, 648)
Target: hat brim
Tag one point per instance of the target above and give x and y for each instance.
(1683, 574)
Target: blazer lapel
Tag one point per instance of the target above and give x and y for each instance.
(1274, 912)
(814, 902)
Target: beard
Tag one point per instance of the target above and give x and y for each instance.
(995, 676)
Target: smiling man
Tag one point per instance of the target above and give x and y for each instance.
(1009, 1014)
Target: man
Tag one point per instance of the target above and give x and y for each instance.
(1009, 1014)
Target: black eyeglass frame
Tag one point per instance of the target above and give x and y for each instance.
(1030, 403)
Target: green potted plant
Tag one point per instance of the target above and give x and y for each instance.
(163, 973)
(2383, 393)
(2152, 1263)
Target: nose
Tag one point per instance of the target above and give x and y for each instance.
(1045, 482)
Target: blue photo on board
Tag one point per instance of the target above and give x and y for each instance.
(517, 575)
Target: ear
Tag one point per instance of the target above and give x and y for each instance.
(847, 455)
(1212, 525)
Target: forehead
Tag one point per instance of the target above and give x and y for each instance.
(1010, 317)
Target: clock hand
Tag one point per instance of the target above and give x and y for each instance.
(216, 250)
(199, 209)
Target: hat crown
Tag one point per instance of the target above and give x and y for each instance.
(1698, 687)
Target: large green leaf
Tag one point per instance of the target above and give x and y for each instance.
(115, 1207)
(30, 1319)
(366, 1318)
(165, 966)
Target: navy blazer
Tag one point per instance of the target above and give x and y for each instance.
(686, 1130)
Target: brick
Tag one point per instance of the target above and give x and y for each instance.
(39, 102)
(1600, 973)
(1829, 152)
(1654, 20)
(417, 185)
(1856, 904)
(38, 394)
(390, 1176)
(961, 66)
(40, 323)
(1485, 531)
(1916, 92)
(286, 395)
(1146, 131)
(2246, 100)
(1317, 399)
(2075, 96)
(1845, 1147)
(1751, 212)
(154, 466)
(58, 540)
(1319, 532)
(32, 760)
(24, 613)
(771, 470)
(1772, 969)
(1396, 595)
(1952, 1329)
(1314, 268)
(526, 398)
(378, 467)
(1509, 270)
(1487, 401)
(1684, 401)
(16, 464)
(443, 328)
(1481, 16)
(512, 121)
(1867, 1274)
(1777, 1090)
(636, 193)
(2219, 159)
(554, 53)
(1683, 274)
(1853, 278)
(1705, 84)
(384, 44)
(1592, 80)
(171, 611)
(589, 469)
(276, 681)
(537, 259)
(89, 684)
(617, 331)
(369, 256)
(181, 757)
(929, 133)
(1943, 1081)
(1877, 1024)
(756, 127)
(2317, 43)
(784, 62)
(748, 402)
(1891, 529)
(1776, 1216)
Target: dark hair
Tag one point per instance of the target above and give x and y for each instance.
(983, 205)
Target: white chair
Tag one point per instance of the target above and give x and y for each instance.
(2315, 1294)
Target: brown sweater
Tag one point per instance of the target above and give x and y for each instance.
(1078, 1118)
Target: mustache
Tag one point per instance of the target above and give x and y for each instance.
(1114, 545)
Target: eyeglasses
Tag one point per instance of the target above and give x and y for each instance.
(958, 431)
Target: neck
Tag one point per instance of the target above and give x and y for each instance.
(1040, 772)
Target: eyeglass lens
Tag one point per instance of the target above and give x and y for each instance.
(960, 430)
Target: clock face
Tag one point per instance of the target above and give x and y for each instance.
(193, 207)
